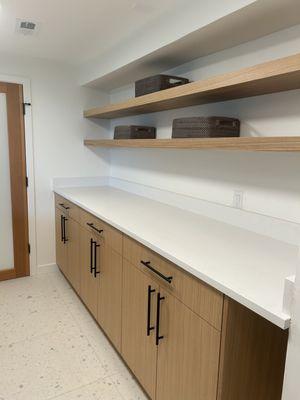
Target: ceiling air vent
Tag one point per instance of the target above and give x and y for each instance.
(26, 27)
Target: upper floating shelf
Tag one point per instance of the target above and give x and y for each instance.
(271, 77)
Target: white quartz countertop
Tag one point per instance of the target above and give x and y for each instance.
(248, 267)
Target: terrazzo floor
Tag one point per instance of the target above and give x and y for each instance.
(51, 348)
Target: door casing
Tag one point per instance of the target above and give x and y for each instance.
(17, 90)
(26, 83)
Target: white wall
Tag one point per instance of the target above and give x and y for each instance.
(269, 181)
(58, 133)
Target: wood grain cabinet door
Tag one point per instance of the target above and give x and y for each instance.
(61, 244)
(110, 293)
(89, 279)
(188, 353)
(73, 246)
(138, 314)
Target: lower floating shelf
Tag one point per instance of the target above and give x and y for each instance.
(276, 144)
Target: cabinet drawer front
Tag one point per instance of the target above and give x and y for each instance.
(110, 236)
(88, 220)
(70, 209)
(197, 295)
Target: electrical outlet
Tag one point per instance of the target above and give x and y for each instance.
(238, 199)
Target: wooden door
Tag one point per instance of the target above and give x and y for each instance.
(17, 264)
(110, 293)
(188, 353)
(139, 349)
(73, 253)
(89, 279)
(61, 243)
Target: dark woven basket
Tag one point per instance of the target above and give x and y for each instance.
(157, 83)
(134, 132)
(205, 127)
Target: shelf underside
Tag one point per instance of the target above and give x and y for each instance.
(228, 31)
(271, 77)
(275, 144)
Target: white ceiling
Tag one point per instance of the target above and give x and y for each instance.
(76, 31)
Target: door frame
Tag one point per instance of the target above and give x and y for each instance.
(29, 149)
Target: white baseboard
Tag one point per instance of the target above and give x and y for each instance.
(46, 268)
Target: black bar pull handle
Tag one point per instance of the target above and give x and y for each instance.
(149, 327)
(63, 206)
(61, 229)
(91, 255)
(166, 278)
(65, 240)
(158, 336)
(91, 225)
(95, 260)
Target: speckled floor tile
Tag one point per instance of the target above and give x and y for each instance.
(48, 365)
(128, 387)
(103, 389)
(77, 309)
(107, 355)
(32, 315)
(19, 289)
(50, 346)
(59, 281)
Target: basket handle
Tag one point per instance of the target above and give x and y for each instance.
(177, 81)
(223, 123)
(141, 129)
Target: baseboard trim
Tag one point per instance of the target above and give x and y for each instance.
(46, 268)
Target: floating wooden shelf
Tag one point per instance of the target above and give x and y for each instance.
(271, 77)
(282, 143)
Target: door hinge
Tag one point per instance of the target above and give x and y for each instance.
(26, 181)
(24, 107)
(29, 248)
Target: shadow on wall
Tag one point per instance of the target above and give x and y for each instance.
(103, 128)
(270, 181)
(269, 115)
(270, 47)
(269, 171)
